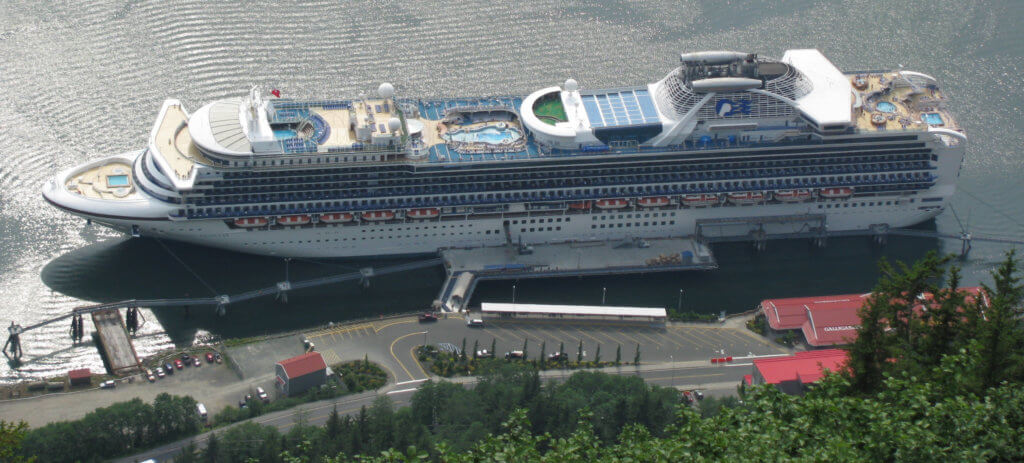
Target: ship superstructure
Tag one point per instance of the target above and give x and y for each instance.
(728, 143)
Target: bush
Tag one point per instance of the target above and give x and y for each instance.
(758, 324)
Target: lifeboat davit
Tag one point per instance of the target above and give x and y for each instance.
(584, 205)
(836, 193)
(653, 201)
(377, 216)
(746, 197)
(611, 203)
(792, 196)
(336, 217)
(293, 219)
(701, 200)
(251, 222)
(426, 213)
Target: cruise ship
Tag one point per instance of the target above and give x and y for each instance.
(728, 144)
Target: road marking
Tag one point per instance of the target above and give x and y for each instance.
(494, 334)
(392, 349)
(401, 391)
(417, 362)
(377, 329)
(332, 357)
(410, 382)
(656, 343)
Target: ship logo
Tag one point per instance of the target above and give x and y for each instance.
(727, 107)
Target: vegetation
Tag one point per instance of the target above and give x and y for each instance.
(690, 316)
(549, 109)
(359, 376)
(447, 364)
(11, 436)
(119, 429)
(758, 324)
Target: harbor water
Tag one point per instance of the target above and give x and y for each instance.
(83, 80)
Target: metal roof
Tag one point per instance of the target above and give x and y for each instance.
(620, 108)
(596, 310)
(303, 364)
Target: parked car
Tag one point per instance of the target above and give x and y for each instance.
(150, 376)
(186, 359)
(484, 354)
(558, 357)
(209, 357)
(169, 368)
(262, 395)
(178, 364)
(196, 362)
(699, 393)
(242, 403)
(108, 384)
(475, 323)
(427, 317)
(160, 373)
(217, 357)
(516, 354)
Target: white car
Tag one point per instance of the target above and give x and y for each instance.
(108, 384)
(262, 395)
(475, 322)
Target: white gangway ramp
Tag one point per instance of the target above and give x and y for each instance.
(502, 310)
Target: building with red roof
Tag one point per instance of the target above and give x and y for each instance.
(791, 313)
(300, 374)
(792, 374)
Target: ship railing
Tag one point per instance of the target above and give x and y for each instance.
(897, 184)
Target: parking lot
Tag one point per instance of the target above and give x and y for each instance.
(392, 342)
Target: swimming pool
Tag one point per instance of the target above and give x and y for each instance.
(885, 107)
(284, 134)
(489, 135)
(933, 118)
(117, 180)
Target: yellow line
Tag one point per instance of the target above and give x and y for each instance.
(588, 335)
(570, 336)
(494, 334)
(396, 357)
(377, 329)
(417, 361)
(609, 336)
(632, 339)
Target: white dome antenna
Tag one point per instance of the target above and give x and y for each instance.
(386, 90)
(571, 85)
(394, 124)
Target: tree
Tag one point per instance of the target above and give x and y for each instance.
(1001, 336)
(212, 449)
(597, 354)
(11, 436)
(543, 353)
(494, 345)
(476, 347)
(333, 426)
(618, 354)
(525, 340)
(462, 353)
(579, 352)
(636, 357)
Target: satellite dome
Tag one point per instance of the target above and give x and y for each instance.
(386, 90)
(571, 85)
(394, 124)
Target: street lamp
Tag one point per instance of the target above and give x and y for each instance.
(673, 360)
(679, 306)
(513, 293)
(604, 291)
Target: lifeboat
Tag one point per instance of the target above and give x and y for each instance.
(701, 200)
(584, 205)
(377, 216)
(611, 203)
(653, 201)
(836, 193)
(745, 197)
(293, 219)
(251, 222)
(792, 196)
(336, 217)
(426, 213)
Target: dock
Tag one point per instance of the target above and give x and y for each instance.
(466, 267)
(115, 342)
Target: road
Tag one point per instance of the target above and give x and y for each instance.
(715, 380)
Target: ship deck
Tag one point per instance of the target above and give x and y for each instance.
(905, 107)
(112, 180)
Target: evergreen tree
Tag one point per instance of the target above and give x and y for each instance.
(462, 353)
(333, 423)
(525, 355)
(579, 352)
(636, 357)
(212, 448)
(543, 353)
(1001, 337)
(618, 354)
(597, 354)
(476, 347)
(494, 345)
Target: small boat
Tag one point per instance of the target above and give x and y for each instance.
(745, 197)
(701, 200)
(376, 216)
(611, 203)
(653, 201)
(251, 222)
(792, 196)
(836, 193)
(336, 217)
(426, 213)
(580, 206)
(289, 220)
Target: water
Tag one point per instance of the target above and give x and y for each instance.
(117, 180)
(284, 134)
(933, 118)
(885, 107)
(491, 135)
(82, 80)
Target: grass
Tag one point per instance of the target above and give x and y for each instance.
(549, 109)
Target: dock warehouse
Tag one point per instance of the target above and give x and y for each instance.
(300, 374)
(504, 311)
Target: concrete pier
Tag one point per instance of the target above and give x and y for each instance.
(577, 258)
(115, 343)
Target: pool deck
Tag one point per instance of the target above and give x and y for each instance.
(93, 183)
(905, 100)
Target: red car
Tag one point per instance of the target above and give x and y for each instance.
(209, 357)
(178, 364)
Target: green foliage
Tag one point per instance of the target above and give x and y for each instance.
(361, 376)
(758, 324)
(120, 429)
(11, 436)
(690, 316)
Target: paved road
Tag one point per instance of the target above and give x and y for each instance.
(715, 380)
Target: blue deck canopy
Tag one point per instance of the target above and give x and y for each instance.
(617, 108)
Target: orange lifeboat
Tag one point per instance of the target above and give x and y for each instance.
(836, 193)
(611, 203)
(377, 216)
(580, 206)
(251, 222)
(745, 197)
(792, 196)
(290, 220)
(336, 217)
(653, 201)
(425, 213)
(701, 200)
